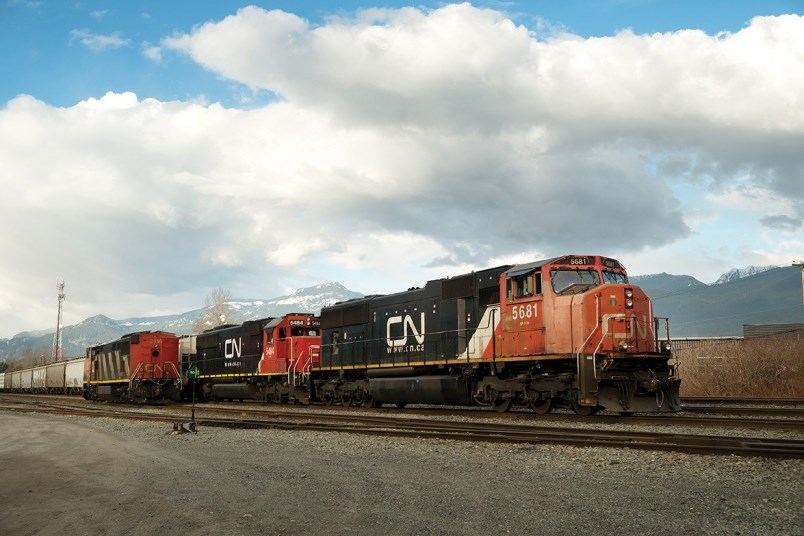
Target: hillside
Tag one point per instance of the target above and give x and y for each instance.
(695, 309)
(101, 328)
(721, 309)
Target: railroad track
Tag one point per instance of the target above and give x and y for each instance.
(530, 417)
(785, 418)
(792, 418)
(734, 410)
(397, 426)
(792, 401)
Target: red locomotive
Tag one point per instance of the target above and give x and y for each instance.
(139, 367)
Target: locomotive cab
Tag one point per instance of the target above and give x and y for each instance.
(292, 345)
(582, 311)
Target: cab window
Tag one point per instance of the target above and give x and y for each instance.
(523, 286)
(573, 281)
(614, 277)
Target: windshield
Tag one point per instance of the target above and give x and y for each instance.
(564, 278)
(614, 277)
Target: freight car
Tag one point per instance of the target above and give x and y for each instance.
(139, 367)
(569, 331)
(62, 377)
(268, 359)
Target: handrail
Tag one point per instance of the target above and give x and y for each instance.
(293, 367)
(592, 332)
(589, 338)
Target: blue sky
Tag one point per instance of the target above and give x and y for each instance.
(156, 150)
(50, 63)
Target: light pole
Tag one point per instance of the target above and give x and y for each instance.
(800, 264)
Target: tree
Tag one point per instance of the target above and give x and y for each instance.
(31, 357)
(218, 311)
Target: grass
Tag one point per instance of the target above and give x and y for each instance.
(758, 367)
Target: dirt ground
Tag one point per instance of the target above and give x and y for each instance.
(79, 476)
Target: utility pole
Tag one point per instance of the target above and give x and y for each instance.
(57, 352)
(800, 264)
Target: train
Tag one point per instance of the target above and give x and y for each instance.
(138, 367)
(569, 331)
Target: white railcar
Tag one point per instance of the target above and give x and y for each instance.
(54, 382)
(74, 376)
(39, 379)
(26, 377)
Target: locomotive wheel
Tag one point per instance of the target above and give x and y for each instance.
(346, 400)
(501, 405)
(328, 398)
(368, 401)
(542, 406)
(584, 411)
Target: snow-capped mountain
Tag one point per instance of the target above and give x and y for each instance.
(739, 273)
(100, 328)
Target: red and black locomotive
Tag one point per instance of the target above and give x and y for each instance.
(139, 367)
(564, 331)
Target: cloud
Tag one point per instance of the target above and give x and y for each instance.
(98, 42)
(781, 222)
(402, 143)
(725, 104)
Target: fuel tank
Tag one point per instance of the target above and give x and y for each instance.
(421, 390)
(236, 391)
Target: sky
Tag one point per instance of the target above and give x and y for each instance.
(151, 151)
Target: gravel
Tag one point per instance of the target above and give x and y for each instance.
(113, 476)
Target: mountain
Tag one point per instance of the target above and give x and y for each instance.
(721, 309)
(739, 273)
(754, 295)
(100, 328)
(665, 283)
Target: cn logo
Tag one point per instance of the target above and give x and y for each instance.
(232, 347)
(407, 324)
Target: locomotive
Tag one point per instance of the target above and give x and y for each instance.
(567, 331)
(269, 359)
(139, 367)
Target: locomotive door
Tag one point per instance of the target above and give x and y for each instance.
(523, 320)
(283, 348)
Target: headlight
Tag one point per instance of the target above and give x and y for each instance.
(623, 346)
(666, 346)
(629, 293)
(629, 303)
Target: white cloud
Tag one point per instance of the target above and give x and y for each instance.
(97, 41)
(403, 142)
